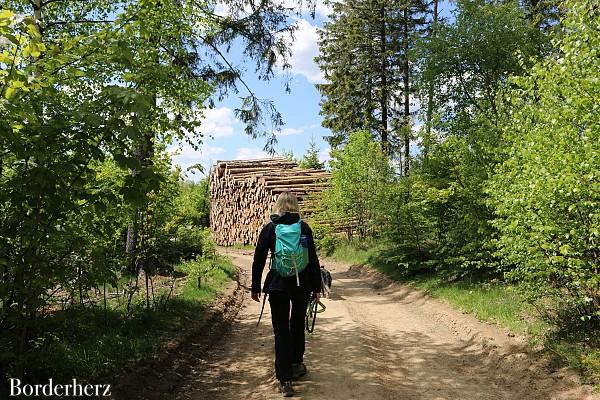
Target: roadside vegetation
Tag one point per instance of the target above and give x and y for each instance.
(93, 329)
(95, 343)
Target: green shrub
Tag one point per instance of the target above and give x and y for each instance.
(547, 194)
(325, 238)
(361, 174)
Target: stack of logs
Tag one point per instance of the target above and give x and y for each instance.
(242, 194)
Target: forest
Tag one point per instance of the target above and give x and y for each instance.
(465, 146)
(469, 147)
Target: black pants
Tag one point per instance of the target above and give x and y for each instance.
(288, 329)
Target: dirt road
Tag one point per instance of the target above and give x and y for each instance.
(379, 340)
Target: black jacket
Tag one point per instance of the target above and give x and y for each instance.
(310, 278)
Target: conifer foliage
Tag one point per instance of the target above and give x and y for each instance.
(367, 56)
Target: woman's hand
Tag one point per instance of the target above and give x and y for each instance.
(317, 296)
(255, 297)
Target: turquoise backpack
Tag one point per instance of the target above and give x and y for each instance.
(290, 256)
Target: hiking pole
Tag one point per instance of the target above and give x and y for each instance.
(266, 294)
(262, 309)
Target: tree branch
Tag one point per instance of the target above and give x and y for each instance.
(80, 21)
(229, 65)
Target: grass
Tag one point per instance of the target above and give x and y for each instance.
(82, 343)
(242, 246)
(490, 301)
(493, 302)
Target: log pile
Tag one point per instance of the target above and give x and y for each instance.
(243, 192)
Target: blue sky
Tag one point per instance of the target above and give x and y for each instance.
(224, 135)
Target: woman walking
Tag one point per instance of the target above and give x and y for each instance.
(293, 276)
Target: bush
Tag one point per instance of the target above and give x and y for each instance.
(325, 238)
(179, 217)
(547, 194)
(361, 174)
(411, 227)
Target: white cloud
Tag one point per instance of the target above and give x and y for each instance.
(322, 9)
(218, 122)
(225, 10)
(185, 156)
(297, 131)
(415, 104)
(222, 9)
(325, 155)
(416, 128)
(290, 131)
(305, 45)
(248, 153)
(304, 49)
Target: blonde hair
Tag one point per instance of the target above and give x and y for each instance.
(286, 202)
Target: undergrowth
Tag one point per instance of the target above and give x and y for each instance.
(90, 343)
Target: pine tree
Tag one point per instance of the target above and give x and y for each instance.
(311, 158)
(366, 56)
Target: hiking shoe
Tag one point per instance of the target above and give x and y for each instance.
(298, 370)
(285, 387)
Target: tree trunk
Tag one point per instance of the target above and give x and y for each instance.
(430, 91)
(406, 72)
(131, 243)
(384, 91)
(143, 153)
